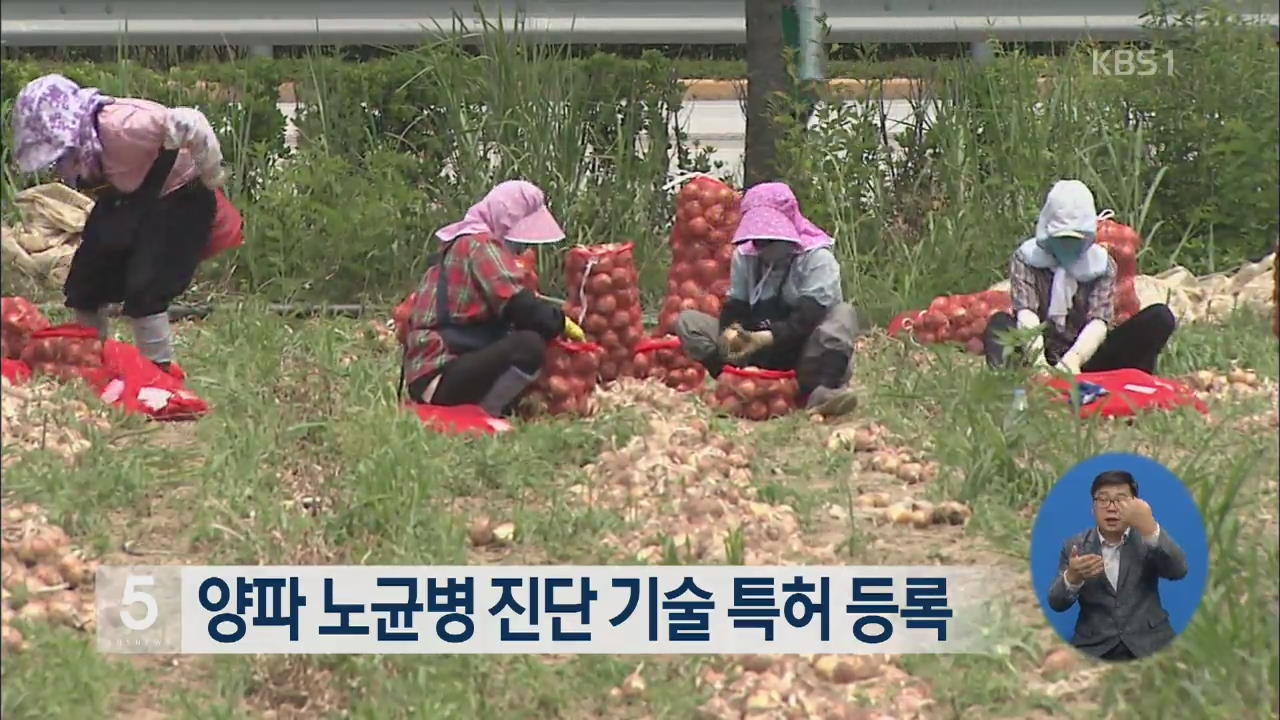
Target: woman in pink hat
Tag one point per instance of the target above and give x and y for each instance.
(785, 309)
(476, 335)
(153, 170)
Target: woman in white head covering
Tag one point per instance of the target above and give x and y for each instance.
(1061, 275)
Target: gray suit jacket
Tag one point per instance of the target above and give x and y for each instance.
(1132, 612)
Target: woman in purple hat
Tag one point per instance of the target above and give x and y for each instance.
(785, 309)
(152, 170)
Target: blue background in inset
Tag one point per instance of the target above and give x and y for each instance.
(1068, 509)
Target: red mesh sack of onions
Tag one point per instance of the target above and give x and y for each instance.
(604, 299)
(960, 319)
(663, 359)
(64, 351)
(756, 394)
(18, 320)
(1123, 243)
(706, 217)
(569, 375)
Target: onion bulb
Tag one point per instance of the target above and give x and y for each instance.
(34, 611)
(12, 639)
(899, 514)
(74, 570)
(480, 532)
(911, 472)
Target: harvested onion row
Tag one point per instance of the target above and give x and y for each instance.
(31, 419)
(804, 686)
(42, 575)
(684, 490)
(1237, 381)
(897, 462)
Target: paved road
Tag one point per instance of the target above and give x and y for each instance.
(719, 124)
(722, 125)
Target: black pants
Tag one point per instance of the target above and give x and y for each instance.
(466, 379)
(145, 266)
(1136, 343)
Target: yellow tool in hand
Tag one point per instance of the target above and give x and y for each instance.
(572, 331)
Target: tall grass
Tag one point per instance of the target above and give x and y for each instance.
(941, 212)
(394, 148)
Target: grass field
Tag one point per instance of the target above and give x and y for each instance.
(306, 459)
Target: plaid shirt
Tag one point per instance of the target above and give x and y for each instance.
(1029, 288)
(482, 277)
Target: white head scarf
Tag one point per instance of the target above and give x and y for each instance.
(1068, 211)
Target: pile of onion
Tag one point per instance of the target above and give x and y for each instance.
(569, 376)
(884, 458)
(917, 513)
(50, 352)
(18, 319)
(1123, 243)
(756, 394)
(42, 575)
(707, 215)
(954, 318)
(1240, 381)
(662, 359)
(604, 298)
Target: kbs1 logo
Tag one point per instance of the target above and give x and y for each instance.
(1126, 61)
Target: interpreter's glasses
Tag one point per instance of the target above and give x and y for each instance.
(1105, 501)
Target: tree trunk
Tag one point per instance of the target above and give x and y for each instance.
(766, 76)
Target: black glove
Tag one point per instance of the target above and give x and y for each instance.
(526, 312)
(734, 311)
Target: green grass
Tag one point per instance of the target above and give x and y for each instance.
(314, 399)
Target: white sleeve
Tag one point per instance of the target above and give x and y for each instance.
(1073, 589)
(1089, 340)
(1035, 348)
(189, 129)
(1154, 539)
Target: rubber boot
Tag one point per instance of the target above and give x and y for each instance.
(95, 319)
(505, 390)
(153, 337)
(831, 397)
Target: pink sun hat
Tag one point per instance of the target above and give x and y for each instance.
(765, 223)
(770, 211)
(536, 229)
(514, 210)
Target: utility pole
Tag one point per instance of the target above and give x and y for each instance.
(773, 29)
(766, 77)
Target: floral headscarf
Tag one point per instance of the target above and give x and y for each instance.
(53, 123)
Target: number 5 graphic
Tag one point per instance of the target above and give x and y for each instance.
(133, 596)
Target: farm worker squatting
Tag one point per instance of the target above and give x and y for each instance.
(476, 334)
(1062, 275)
(153, 170)
(785, 308)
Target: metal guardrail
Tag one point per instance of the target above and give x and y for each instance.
(287, 22)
